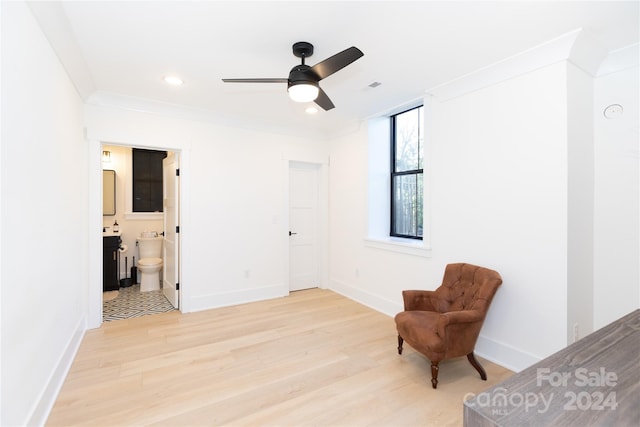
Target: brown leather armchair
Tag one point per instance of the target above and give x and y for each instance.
(445, 323)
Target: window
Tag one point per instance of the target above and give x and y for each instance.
(407, 159)
(147, 180)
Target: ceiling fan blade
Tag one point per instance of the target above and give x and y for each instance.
(323, 101)
(255, 80)
(336, 62)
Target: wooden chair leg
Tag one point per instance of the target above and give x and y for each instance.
(400, 341)
(474, 362)
(434, 374)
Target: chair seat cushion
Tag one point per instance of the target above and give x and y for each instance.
(420, 330)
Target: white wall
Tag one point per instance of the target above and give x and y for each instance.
(44, 220)
(500, 200)
(233, 200)
(617, 194)
(522, 178)
(580, 203)
(498, 183)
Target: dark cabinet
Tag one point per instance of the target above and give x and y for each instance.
(147, 179)
(110, 246)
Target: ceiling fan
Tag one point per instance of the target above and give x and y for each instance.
(302, 83)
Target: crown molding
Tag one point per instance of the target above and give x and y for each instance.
(620, 59)
(54, 24)
(182, 112)
(575, 46)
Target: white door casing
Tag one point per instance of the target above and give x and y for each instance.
(171, 243)
(304, 271)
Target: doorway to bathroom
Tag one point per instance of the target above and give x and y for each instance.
(143, 289)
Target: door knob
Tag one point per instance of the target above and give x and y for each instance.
(291, 234)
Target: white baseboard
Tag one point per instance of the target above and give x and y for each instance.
(504, 355)
(492, 350)
(49, 394)
(228, 298)
(383, 305)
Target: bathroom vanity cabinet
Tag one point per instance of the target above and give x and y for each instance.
(110, 246)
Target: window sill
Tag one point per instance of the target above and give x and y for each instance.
(396, 244)
(144, 216)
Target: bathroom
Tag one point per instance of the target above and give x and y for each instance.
(121, 217)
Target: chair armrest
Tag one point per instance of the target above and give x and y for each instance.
(459, 329)
(419, 300)
(463, 316)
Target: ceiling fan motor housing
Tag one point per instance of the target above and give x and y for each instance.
(302, 74)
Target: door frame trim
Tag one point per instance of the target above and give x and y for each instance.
(176, 160)
(94, 292)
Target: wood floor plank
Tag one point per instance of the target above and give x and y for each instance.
(312, 358)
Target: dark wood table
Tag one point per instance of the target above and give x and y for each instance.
(593, 382)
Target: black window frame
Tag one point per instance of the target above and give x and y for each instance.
(146, 180)
(395, 174)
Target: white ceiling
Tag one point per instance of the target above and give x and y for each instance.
(409, 47)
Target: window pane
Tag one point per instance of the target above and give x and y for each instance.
(408, 192)
(408, 138)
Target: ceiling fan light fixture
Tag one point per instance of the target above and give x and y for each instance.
(303, 92)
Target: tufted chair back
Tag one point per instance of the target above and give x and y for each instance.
(466, 287)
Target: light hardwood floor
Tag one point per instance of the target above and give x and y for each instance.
(314, 358)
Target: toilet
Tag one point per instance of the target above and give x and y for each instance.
(150, 261)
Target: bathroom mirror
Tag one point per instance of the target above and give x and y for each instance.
(108, 192)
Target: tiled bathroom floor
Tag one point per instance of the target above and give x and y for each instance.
(130, 302)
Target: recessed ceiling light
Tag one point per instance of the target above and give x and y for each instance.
(173, 80)
(311, 110)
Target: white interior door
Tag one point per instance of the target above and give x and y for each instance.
(303, 226)
(171, 244)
